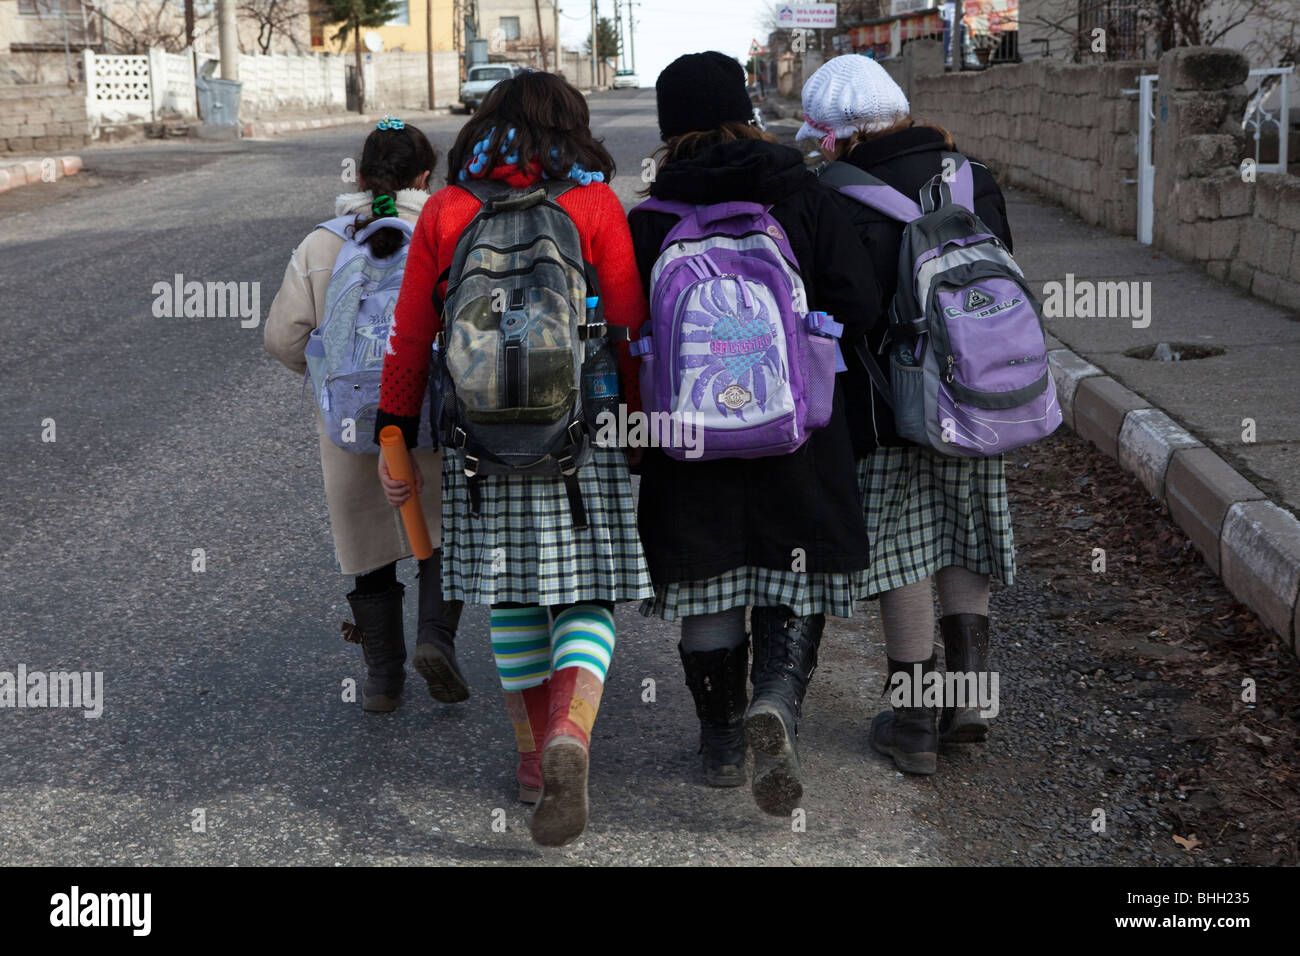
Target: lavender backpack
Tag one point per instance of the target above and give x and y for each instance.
(732, 350)
(968, 367)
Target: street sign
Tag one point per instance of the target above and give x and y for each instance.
(910, 6)
(815, 15)
(755, 49)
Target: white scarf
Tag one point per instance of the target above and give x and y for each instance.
(411, 200)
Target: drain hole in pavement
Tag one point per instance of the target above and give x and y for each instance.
(1174, 352)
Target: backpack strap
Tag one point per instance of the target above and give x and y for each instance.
(875, 373)
(870, 191)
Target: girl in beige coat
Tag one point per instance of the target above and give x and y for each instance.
(369, 538)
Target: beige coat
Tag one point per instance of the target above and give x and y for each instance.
(368, 531)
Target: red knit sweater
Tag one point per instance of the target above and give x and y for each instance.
(606, 244)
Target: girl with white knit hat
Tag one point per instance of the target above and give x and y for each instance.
(930, 519)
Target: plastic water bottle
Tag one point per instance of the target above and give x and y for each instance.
(600, 387)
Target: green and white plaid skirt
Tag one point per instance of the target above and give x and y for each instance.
(523, 547)
(805, 594)
(926, 511)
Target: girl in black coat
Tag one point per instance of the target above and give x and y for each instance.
(931, 519)
(783, 535)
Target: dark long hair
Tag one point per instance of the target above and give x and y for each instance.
(392, 159)
(547, 113)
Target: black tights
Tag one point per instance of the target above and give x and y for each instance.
(378, 581)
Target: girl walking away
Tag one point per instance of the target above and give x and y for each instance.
(779, 532)
(510, 269)
(932, 519)
(314, 322)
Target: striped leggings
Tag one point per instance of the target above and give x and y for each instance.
(530, 642)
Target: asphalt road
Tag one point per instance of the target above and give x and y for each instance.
(223, 688)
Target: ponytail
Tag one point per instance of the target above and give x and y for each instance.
(393, 157)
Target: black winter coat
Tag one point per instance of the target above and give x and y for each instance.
(905, 160)
(699, 519)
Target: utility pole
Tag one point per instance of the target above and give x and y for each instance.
(541, 31)
(428, 11)
(631, 35)
(618, 32)
(228, 40)
(595, 44)
(189, 22)
(955, 35)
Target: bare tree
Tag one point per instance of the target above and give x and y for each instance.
(274, 17)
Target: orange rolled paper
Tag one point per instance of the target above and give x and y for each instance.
(393, 446)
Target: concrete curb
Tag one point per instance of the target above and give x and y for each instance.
(29, 172)
(1250, 542)
(263, 128)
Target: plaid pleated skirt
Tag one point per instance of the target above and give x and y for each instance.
(805, 594)
(524, 548)
(925, 512)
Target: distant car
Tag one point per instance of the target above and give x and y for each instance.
(480, 79)
(626, 80)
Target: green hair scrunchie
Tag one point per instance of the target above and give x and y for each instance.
(384, 206)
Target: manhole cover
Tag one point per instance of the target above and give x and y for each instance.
(1174, 352)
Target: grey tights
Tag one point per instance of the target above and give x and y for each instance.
(907, 613)
(712, 632)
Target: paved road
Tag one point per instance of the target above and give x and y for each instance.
(223, 687)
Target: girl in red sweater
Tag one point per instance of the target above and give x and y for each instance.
(552, 586)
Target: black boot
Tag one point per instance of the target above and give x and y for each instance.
(908, 734)
(379, 631)
(966, 649)
(718, 683)
(435, 652)
(785, 656)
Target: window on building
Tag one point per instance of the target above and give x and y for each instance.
(402, 17)
(509, 28)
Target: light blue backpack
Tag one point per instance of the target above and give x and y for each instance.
(345, 355)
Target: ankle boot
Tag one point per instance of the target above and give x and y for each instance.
(435, 654)
(561, 814)
(966, 649)
(785, 656)
(718, 683)
(529, 711)
(908, 734)
(379, 632)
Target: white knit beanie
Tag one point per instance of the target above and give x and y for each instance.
(850, 93)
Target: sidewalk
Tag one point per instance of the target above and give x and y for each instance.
(1216, 438)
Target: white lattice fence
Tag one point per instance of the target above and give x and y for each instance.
(140, 87)
(118, 88)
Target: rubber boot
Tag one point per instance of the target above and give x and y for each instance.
(908, 734)
(383, 642)
(966, 649)
(718, 683)
(561, 814)
(529, 712)
(435, 654)
(785, 656)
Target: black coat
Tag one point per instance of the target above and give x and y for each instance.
(699, 519)
(905, 160)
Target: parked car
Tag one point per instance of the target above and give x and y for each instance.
(480, 79)
(626, 80)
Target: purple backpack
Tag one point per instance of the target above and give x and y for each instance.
(731, 349)
(968, 373)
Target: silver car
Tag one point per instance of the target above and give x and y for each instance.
(480, 79)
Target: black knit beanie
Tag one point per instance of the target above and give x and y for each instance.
(701, 91)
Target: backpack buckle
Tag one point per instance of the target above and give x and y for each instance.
(567, 467)
(577, 431)
(594, 330)
(459, 437)
(471, 466)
